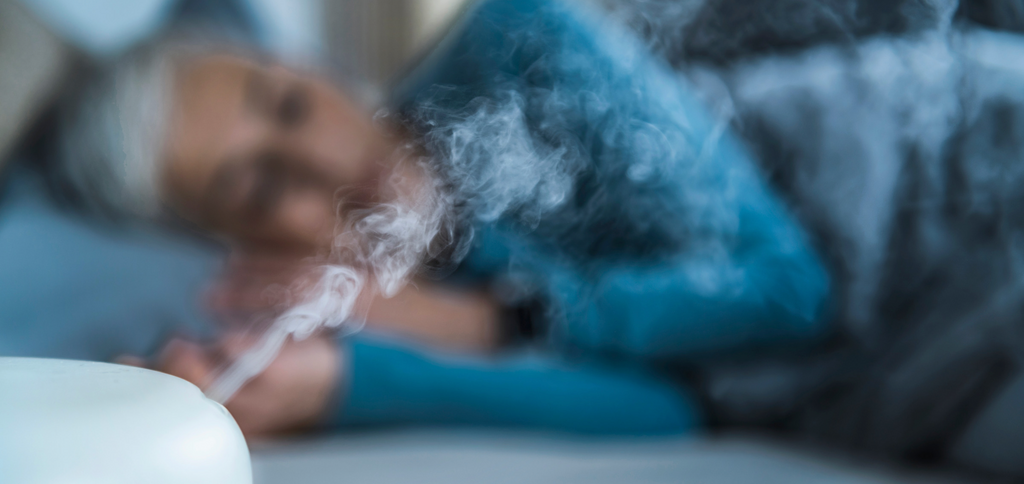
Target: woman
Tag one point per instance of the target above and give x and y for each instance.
(611, 223)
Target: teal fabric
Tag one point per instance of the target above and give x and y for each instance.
(758, 287)
(768, 288)
(392, 385)
(771, 292)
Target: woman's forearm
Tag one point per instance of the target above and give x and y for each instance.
(389, 384)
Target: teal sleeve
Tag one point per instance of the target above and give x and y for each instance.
(769, 293)
(389, 384)
(749, 280)
(683, 250)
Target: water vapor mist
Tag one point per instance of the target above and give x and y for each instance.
(375, 250)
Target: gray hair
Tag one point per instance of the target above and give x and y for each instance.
(112, 134)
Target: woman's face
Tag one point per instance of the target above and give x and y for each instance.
(265, 156)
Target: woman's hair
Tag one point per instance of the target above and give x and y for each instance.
(112, 130)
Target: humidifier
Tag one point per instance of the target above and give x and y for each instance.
(83, 422)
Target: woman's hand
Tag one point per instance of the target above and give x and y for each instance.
(256, 285)
(292, 394)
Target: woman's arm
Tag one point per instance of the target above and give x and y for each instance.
(367, 381)
(701, 258)
(389, 384)
(771, 292)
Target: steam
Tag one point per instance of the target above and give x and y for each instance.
(489, 155)
(557, 158)
(375, 250)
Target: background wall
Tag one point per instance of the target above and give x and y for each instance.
(31, 60)
(377, 38)
(296, 26)
(372, 39)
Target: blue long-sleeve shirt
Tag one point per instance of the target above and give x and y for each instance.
(749, 281)
(391, 384)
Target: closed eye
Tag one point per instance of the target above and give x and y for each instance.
(294, 107)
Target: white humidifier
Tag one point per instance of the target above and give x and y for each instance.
(90, 423)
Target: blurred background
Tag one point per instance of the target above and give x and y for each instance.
(371, 40)
(49, 253)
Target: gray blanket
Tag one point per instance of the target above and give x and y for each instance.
(896, 131)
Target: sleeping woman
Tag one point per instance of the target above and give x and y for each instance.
(577, 229)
